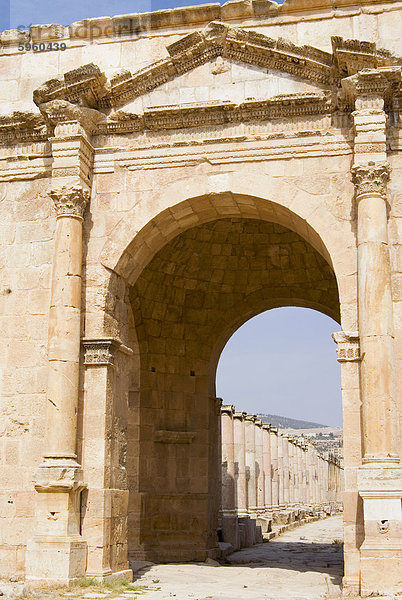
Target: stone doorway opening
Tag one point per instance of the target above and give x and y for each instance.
(186, 297)
(276, 474)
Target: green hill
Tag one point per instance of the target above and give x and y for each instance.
(286, 422)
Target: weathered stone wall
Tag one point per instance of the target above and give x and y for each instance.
(162, 183)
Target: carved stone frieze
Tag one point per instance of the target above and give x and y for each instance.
(87, 86)
(348, 346)
(204, 114)
(70, 201)
(371, 178)
(22, 125)
(100, 351)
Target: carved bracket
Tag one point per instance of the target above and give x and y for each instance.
(100, 351)
(348, 343)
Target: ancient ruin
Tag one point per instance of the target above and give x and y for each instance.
(270, 479)
(164, 177)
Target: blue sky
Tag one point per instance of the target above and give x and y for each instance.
(282, 361)
(23, 13)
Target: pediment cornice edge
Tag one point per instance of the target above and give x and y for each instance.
(87, 85)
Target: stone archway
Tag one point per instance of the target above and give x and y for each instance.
(186, 295)
(285, 160)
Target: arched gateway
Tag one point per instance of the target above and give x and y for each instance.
(205, 164)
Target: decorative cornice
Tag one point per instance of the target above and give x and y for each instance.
(220, 40)
(22, 126)
(85, 86)
(348, 346)
(70, 201)
(100, 351)
(88, 86)
(371, 178)
(204, 114)
(382, 82)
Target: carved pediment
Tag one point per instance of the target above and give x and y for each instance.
(88, 86)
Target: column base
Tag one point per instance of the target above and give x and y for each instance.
(230, 530)
(381, 570)
(55, 560)
(380, 487)
(126, 574)
(350, 587)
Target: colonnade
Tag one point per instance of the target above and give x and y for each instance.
(269, 477)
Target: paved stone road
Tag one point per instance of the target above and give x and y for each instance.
(303, 564)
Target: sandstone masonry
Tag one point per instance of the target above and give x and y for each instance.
(163, 179)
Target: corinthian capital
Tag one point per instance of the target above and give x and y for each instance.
(371, 178)
(70, 201)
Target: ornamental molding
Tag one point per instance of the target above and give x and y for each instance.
(100, 351)
(371, 178)
(348, 346)
(371, 85)
(22, 126)
(204, 114)
(70, 201)
(84, 96)
(221, 43)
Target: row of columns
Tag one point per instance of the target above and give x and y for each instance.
(264, 470)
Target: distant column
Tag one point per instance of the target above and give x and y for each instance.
(291, 471)
(229, 517)
(280, 470)
(259, 453)
(286, 444)
(274, 464)
(240, 463)
(299, 449)
(266, 455)
(250, 464)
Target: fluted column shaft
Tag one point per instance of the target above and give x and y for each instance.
(286, 444)
(280, 470)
